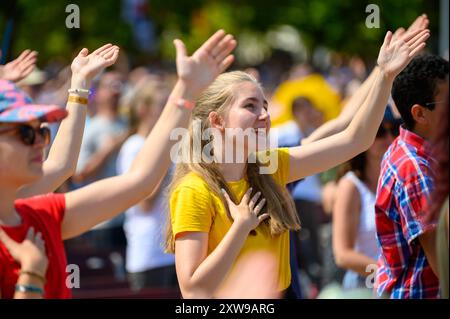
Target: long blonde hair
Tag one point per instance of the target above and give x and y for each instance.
(218, 97)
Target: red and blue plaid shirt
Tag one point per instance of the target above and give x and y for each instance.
(403, 193)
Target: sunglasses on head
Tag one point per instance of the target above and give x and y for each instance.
(27, 133)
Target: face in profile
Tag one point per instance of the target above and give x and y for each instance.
(22, 152)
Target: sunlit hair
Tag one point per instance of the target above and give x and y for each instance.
(144, 96)
(218, 97)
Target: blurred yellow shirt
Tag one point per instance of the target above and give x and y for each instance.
(194, 208)
(315, 88)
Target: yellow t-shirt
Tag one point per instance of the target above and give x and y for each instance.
(194, 208)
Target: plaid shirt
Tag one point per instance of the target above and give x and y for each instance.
(404, 189)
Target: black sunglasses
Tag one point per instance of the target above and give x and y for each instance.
(28, 133)
(432, 105)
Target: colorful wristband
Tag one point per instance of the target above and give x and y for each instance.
(77, 99)
(29, 288)
(189, 105)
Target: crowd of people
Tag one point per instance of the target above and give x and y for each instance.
(357, 205)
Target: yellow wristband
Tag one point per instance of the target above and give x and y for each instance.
(78, 99)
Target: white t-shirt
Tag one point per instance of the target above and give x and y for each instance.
(144, 230)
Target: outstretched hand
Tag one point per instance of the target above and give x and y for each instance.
(19, 68)
(395, 54)
(420, 23)
(212, 58)
(86, 66)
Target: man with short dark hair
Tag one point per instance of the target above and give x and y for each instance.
(407, 265)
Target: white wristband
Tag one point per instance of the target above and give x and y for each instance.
(79, 91)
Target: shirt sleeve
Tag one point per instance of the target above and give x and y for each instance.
(414, 199)
(276, 163)
(51, 204)
(191, 210)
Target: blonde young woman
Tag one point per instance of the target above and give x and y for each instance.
(209, 232)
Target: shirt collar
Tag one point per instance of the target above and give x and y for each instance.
(414, 139)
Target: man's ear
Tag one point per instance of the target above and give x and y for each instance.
(418, 113)
(216, 121)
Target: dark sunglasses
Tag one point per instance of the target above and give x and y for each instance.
(28, 133)
(432, 105)
(394, 129)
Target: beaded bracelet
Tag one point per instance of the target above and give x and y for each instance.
(79, 91)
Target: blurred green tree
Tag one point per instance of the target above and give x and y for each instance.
(337, 25)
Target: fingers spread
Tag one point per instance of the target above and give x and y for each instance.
(409, 35)
(227, 197)
(247, 195)
(23, 55)
(226, 50)
(260, 206)
(253, 201)
(114, 56)
(415, 51)
(213, 41)
(102, 48)
(420, 37)
(221, 45)
(108, 53)
(226, 63)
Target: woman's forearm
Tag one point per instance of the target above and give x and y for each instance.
(364, 125)
(63, 156)
(352, 106)
(209, 275)
(356, 261)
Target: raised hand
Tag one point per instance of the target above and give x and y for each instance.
(212, 58)
(19, 68)
(30, 253)
(420, 23)
(247, 212)
(395, 54)
(86, 66)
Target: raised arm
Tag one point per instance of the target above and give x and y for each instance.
(62, 159)
(359, 135)
(105, 199)
(357, 100)
(338, 124)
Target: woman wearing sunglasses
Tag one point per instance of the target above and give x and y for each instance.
(62, 216)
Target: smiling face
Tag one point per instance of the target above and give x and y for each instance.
(246, 115)
(20, 164)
